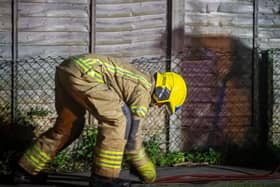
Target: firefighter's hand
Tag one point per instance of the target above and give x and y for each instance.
(147, 172)
(142, 165)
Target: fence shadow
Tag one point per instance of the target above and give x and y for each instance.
(14, 139)
(219, 71)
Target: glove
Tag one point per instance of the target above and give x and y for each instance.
(142, 166)
(147, 172)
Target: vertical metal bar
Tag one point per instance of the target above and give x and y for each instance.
(168, 61)
(92, 21)
(169, 35)
(92, 39)
(14, 60)
(255, 70)
(263, 98)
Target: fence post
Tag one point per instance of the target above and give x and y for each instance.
(176, 32)
(263, 101)
(14, 60)
(256, 64)
(92, 20)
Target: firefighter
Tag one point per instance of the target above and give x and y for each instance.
(119, 96)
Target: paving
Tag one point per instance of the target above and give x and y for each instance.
(202, 176)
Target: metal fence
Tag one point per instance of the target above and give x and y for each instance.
(272, 57)
(30, 82)
(218, 110)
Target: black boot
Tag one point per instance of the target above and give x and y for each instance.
(100, 181)
(20, 176)
(135, 173)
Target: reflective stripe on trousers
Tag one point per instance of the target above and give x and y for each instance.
(67, 128)
(36, 159)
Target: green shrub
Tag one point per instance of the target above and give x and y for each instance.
(80, 156)
(159, 156)
(37, 111)
(86, 147)
(5, 159)
(171, 158)
(61, 161)
(21, 117)
(153, 149)
(210, 156)
(162, 158)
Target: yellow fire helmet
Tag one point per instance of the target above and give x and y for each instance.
(170, 88)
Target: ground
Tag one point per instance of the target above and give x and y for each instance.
(215, 174)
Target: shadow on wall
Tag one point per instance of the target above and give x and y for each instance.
(218, 71)
(218, 111)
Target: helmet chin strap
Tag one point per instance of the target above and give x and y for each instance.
(167, 108)
(160, 105)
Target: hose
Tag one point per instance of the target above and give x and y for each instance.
(204, 178)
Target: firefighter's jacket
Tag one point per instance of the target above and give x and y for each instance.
(122, 83)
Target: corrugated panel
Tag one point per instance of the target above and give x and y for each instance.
(53, 27)
(56, 1)
(232, 18)
(130, 28)
(5, 29)
(269, 24)
(218, 37)
(51, 50)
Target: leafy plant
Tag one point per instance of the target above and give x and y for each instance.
(171, 158)
(21, 118)
(5, 114)
(37, 111)
(159, 157)
(86, 147)
(61, 161)
(5, 160)
(211, 156)
(77, 156)
(153, 149)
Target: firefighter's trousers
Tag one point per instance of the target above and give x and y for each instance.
(73, 98)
